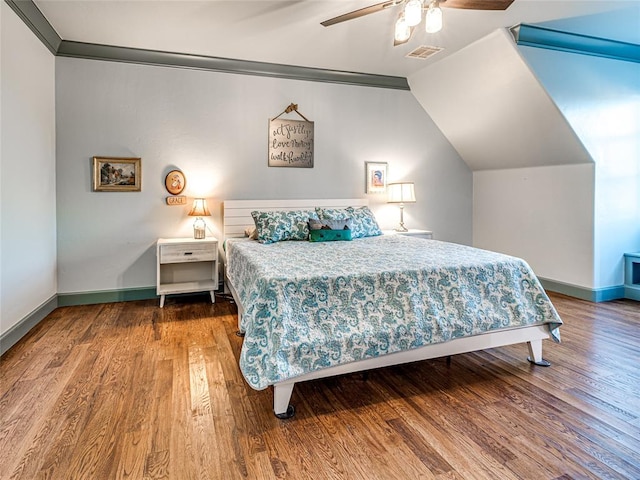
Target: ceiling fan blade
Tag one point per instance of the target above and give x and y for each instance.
(361, 12)
(477, 4)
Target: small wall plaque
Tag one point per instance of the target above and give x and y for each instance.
(177, 200)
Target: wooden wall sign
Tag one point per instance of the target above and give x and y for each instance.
(290, 141)
(177, 200)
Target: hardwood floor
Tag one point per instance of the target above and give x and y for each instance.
(127, 390)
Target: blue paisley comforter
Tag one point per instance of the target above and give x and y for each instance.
(310, 306)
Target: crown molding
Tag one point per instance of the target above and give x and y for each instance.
(37, 23)
(542, 37)
(40, 26)
(217, 64)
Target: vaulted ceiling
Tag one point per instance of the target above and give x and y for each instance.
(476, 89)
(289, 32)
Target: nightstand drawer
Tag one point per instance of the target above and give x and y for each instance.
(181, 253)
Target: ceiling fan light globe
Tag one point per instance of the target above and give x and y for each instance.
(413, 12)
(402, 31)
(433, 20)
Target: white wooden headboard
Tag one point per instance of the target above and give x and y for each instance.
(237, 213)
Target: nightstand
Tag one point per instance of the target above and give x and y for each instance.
(186, 265)
(412, 232)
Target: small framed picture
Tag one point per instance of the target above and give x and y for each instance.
(115, 174)
(375, 177)
(175, 182)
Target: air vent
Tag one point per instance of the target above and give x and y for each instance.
(423, 51)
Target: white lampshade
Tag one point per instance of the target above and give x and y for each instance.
(433, 19)
(402, 192)
(413, 12)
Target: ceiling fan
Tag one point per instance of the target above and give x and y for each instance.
(411, 14)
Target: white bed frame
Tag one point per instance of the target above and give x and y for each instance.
(237, 216)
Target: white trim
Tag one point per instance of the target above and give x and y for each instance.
(533, 335)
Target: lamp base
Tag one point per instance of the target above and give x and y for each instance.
(199, 227)
(401, 227)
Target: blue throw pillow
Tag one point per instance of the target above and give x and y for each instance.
(325, 235)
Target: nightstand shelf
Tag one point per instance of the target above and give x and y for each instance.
(186, 265)
(412, 232)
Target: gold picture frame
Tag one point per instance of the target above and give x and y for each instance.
(117, 174)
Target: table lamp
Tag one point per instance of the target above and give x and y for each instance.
(199, 210)
(401, 193)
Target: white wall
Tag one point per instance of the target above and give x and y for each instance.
(520, 122)
(27, 172)
(213, 126)
(493, 110)
(541, 214)
(601, 100)
(533, 180)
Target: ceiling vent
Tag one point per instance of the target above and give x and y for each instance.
(423, 51)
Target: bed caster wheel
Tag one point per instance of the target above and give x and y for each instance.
(541, 363)
(240, 334)
(291, 411)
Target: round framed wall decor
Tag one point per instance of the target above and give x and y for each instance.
(175, 182)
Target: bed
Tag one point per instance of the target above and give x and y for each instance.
(311, 310)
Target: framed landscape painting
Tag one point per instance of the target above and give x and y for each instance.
(116, 174)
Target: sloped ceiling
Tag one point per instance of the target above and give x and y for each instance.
(493, 109)
(289, 32)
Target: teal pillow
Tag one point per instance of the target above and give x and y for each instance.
(325, 235)
(363, 221)
(276, 226)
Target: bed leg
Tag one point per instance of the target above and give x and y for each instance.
(535, 353)
(240, 332)
(281, 396)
